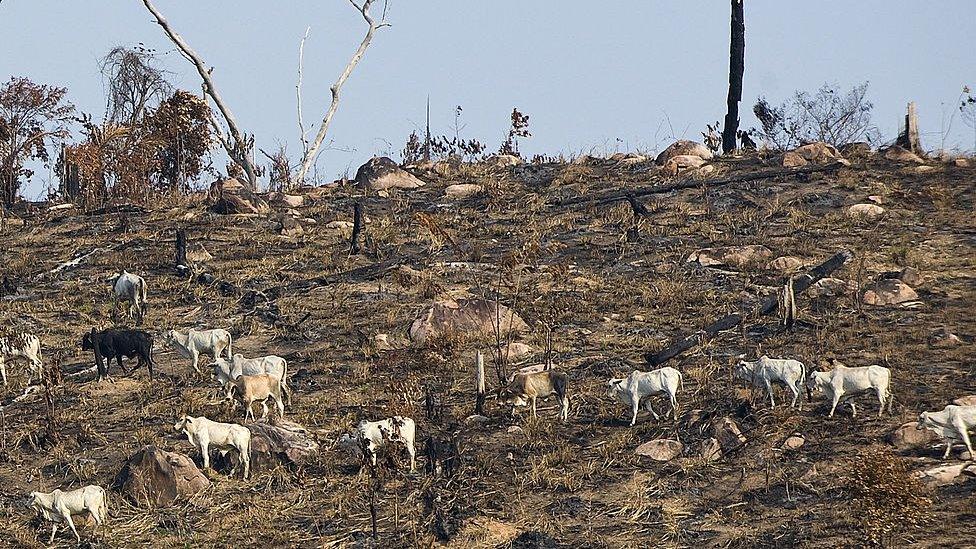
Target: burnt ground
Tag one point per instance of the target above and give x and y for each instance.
(608, 299)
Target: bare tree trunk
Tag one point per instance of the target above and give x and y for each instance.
(479, 382)
(308, 159)
(909, 138)
(737, 53)
(357, 227)
(241, 148)
(298, 92)
(181, 266)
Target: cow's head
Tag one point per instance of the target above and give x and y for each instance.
(745, 369)
(508, 396)
(34, 501)
(817, 381)
(88, 341)
(182, 423)
(924, 421)
(615, 387)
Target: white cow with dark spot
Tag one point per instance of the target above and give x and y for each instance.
(22, 346)
(767, 371)
(843, 383)
(372, 435)
(641, 385)
(953, 424)
(58, 506)
(131, 288)
(195, 342)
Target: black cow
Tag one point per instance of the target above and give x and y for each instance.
(116, 344)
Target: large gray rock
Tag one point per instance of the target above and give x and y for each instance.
(889, 292)
(817, 152)
(381, 173)
(900, 154)
(661, 449)
(909, 437)
(683, 148)
(947, 474)
(465, 318)
(728, 434)
(280, 442)
(230, 196)
(154, 477)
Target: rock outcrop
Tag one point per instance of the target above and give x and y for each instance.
(155, 478)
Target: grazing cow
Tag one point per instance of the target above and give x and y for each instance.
(58, 506)
(212, 342)
(525, 388)
(953, 424)
(225, 371)
(116, 344)
(371, 435)
(204, 434)
(258, 388)
(641, 385)
(21, 346)
(766, 371)
(131, 288)
(842, 383)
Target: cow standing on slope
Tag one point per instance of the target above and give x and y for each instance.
(953, 424)
(843, 383)
(767, 371)
(22, 346)
(640, 386)
(196, 342)
(131, 288)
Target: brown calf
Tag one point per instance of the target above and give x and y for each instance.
(526, 388)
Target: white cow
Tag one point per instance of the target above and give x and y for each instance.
(224, 371)
(131, 288)
(203, 433)
(766, 371)
(842, 383)
(21, 346)
(640, 385)
(194, 342)
(953, 424)
(58, 506)
(371, 435)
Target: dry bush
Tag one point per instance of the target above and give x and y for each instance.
(887, 499)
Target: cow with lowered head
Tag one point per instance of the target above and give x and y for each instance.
(115, 344)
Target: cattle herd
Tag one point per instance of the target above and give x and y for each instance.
(254, 380)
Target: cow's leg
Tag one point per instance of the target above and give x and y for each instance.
(948, 449)
(196, 360)
(634, 407)
(674, 406)
(964, 431)
(881, 401)
(413, 456)
(769, 391)
(205, 450)
(833, 406)
(651, 408)
(565, 410)
(281, 407)
(796, 395)
(3, 371)
(71, 524)
(264, 406)
(533, 407)
(54, 530)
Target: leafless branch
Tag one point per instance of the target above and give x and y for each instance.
(303, 133)
(240, 149)
(309, 156)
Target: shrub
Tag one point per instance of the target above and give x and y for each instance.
(886, 498)
(827, 115)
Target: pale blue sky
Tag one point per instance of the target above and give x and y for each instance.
(591, 75)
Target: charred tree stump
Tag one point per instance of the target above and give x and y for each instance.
(357, 228)
(479, 383)
(772, 303)
(181, 267)
(908, 139)
(737, 53)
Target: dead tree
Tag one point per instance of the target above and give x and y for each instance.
(737, 53)
(768, 306)
(908, 139)
(479, 383)
(312, 151)
(181, 266)
(239, 146)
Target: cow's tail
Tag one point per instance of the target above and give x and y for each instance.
(230, 351)
(103, 508)
(284, 381)
(681, 380)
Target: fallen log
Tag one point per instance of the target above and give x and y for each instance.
(768, 306)
(608, 198)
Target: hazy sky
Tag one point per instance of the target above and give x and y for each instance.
(599, 76)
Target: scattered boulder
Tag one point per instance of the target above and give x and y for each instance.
(280, 442)
(381, 342)
(924, 169)
(889, 292)
(515, 430)
(154, 477)
(785, 264)
(502, 161)
(477, 419)
(818, 152)
(830, 287)
(909, 437)
(794, 442)
(961, 162)
(465, 317)
(911, 276)
(682, 162)
(728, 434)
(381, 173)
(856, 149)
(943, 338)
(793, 160)
(341, 226)
(286, 200)
(661, 449)
(462, 190)
(197, 254)
(865, 211)
(707, 169)
(288, 226)
(734, 256)
(711, 450)
(683, 148)
(230, 196)
(628, 160)
(968, 400)
(901, 154)
(947, 474)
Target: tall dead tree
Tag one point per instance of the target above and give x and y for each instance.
(737, 55)
(909, 137)
(312, 151)
(239, 145)
(479, 383)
